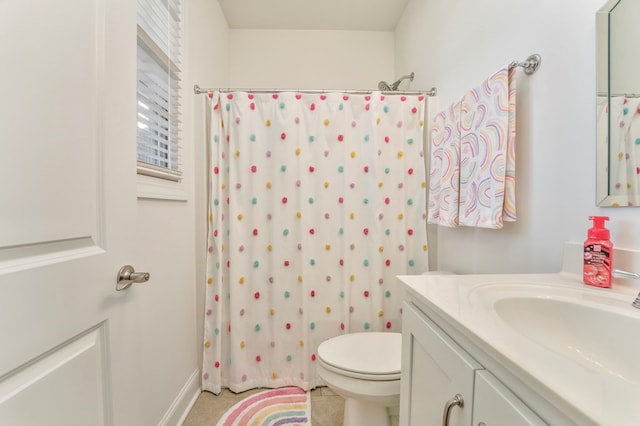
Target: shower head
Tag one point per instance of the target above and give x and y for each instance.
(383, 85)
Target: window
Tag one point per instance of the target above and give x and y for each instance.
(158, 135)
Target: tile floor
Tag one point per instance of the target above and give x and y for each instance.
(327, 408)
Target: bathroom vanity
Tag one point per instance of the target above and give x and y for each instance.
(514, 350)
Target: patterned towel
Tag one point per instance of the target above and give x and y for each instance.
(487, 152)
(444, 171)
(473, 158)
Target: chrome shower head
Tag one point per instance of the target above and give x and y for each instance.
(396, 83)
(382, 85)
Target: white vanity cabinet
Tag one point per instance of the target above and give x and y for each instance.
(435, 371)
(442, 384)
(495, 405)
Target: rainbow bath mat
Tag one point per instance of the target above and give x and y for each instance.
(275, 407)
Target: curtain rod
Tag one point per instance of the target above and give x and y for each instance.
(618, 95)
(200, 90)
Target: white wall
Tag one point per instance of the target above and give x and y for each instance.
(310, 59)
(454, 45)
(171, 236)
(166, 317)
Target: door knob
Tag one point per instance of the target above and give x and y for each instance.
(128, 276)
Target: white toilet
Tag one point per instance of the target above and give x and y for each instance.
(364, 368)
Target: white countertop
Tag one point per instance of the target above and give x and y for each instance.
(576, 384)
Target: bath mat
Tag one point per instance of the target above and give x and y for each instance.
(285, 406)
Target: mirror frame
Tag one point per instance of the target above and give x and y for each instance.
(603, 70)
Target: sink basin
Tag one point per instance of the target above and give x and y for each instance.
(592, 331)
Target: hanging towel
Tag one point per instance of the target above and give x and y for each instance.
(444, 171)
(487, 152)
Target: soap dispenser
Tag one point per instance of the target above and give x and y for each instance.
(598, 254)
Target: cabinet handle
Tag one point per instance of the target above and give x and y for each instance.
(456, 400)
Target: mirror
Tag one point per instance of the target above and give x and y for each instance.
(618, 104)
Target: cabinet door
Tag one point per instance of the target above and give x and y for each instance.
(434, 370)
(495, 405)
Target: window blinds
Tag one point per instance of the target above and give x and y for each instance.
(158, 136)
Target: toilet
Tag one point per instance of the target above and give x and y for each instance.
(364, 369)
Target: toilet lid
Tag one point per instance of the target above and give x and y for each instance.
(371, 353)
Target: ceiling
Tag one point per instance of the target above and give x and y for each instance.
(357, 15)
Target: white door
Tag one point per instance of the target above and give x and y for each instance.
(67, 210)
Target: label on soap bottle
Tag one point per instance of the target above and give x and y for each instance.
(597, 265)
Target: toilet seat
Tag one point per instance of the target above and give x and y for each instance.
(367, 356)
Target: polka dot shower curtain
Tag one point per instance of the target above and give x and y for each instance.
(317, 202)
(619, 148)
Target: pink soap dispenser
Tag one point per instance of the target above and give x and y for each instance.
(598, 254)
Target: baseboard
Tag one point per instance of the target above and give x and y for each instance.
(180, 407)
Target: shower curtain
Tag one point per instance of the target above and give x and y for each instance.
(621, 146)
(317, 202)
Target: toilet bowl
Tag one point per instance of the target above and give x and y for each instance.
(364, 368)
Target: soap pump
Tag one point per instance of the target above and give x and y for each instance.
(598, 254)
